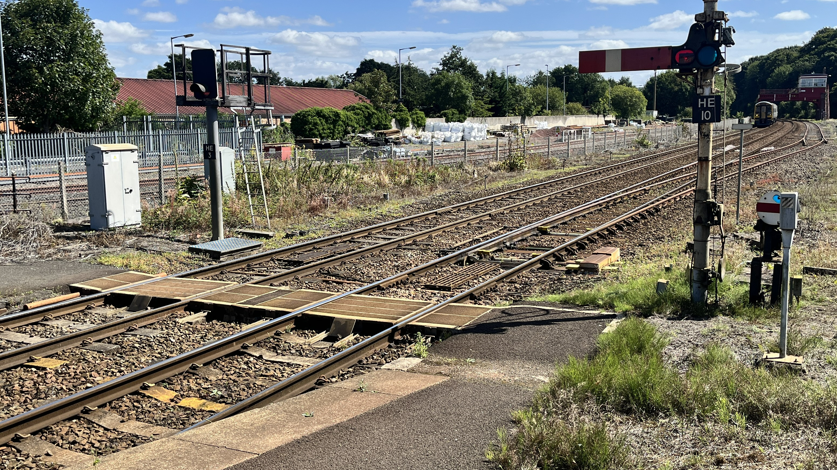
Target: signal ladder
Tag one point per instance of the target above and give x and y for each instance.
(250, 154)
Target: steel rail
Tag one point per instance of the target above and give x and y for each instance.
(73, 305)
(70, 406)
(307, 378)
(50, 346)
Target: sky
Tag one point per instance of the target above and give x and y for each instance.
(308, 39)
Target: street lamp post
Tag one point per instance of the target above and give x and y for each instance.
(5, 103)
(399, 70)
(174, 78)
(547, 89)
(565, 95)
(507, 83)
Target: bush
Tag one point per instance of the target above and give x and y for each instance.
(367, 117)
(322, 123)
(452, 115)
(402, 117)
(418, 119)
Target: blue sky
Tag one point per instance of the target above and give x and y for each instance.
(314, 38)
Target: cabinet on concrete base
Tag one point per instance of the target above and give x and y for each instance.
(113, 188)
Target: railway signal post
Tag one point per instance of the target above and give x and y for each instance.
(700, 58)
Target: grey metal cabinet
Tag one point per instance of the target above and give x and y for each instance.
(113, 189)
(227, 156)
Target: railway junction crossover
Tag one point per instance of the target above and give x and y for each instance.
(141, 361)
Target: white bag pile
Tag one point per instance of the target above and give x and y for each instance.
(541, 125)
(439, 132)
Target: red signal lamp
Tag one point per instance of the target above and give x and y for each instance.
(684, 57)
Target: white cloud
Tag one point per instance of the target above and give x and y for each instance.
(444, 21)
(132, 11)
(160, 17)
(475, 6)
(234, 17)
(609, 44)
(793, 15)
(671, 21)
(113, 31)
(622, 2)
(181, 2)
(746, 14)
(151, 3)
(506, 36)
(164, 48)
(319, 44)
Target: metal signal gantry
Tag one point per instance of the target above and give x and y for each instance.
(700, 56)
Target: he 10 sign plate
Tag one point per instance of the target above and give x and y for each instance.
(768, 208)
(706, 108)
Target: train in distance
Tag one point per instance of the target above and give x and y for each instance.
(766, 113)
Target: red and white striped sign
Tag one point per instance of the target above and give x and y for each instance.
(625, 60)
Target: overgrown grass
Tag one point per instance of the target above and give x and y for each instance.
(548, 444)
(635, 290)
(628, 375)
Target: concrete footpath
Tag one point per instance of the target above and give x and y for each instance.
(35, 280)
(441, 413)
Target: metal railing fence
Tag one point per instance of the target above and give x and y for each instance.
(32, 178)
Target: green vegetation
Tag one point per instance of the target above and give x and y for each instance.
(782, 68)
(543, 443)
(402, 117)
(628, 102)
(629, 375)
(420, 347)
(57, 70)
(634, 289)
(322, 123)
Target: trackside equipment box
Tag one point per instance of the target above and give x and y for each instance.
(227, 156)
(113, 189)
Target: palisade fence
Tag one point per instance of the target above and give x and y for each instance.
(46, 172)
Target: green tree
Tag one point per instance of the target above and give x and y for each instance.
(322, 123)
(402, 116)
(628, 102)
(418, 119)
(455, 62)
(130, 108)
(57, 70)
(451, 91)
(367, 117)
(575, 109)
(375, 86)
(589, 89)
(673, 95)
(163, 72)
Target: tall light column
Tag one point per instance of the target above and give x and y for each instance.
(547, 89)
(5, 102)
(399, 70)
(174, 77)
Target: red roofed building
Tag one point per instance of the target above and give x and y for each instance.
(157, 97)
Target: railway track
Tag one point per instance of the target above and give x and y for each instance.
(341, 243)
(570, 231)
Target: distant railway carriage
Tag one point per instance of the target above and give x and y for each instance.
(766, 113)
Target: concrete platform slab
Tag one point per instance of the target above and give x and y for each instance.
(392, 382)
(170, 454)
(48, 274)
